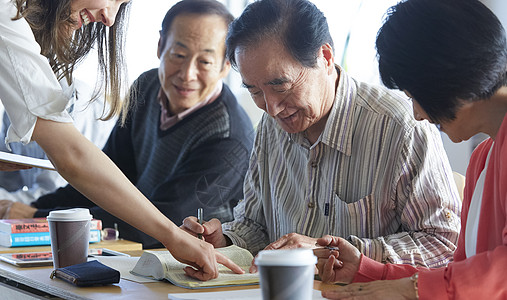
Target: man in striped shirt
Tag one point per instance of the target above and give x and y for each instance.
(332, 155)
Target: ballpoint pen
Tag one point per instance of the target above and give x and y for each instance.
(332, 248)
(199, 219)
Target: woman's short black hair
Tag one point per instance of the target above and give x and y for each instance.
(442, 52)
(298, 24)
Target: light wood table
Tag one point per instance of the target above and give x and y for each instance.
(35, 283)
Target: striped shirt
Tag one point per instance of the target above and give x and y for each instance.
(375, 176)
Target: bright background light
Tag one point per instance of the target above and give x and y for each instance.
(359, 20)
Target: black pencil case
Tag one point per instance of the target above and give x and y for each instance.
(87, 274)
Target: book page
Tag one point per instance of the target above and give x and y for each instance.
(240, 256)
(173, 269)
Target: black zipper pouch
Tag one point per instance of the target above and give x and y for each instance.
(87, 274)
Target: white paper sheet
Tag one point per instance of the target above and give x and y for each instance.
(250, 294)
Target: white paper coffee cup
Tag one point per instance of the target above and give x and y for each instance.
(286, 274)
(70, 235)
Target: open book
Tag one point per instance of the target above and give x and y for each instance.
(26, 160)
(162, 265)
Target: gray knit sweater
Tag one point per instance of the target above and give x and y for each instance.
(199, 162)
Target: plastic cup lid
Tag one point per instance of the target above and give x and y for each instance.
(293, 257)
(67, 215)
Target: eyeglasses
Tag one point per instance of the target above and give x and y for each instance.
(110, 234)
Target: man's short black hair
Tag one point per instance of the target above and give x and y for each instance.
(197, 7)
(441, 52)
(298, 24)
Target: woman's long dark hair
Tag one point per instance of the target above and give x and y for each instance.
(51, 24)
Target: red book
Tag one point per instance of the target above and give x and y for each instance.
(35, 225)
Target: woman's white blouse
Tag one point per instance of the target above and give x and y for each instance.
(474, 212)
(28, 86)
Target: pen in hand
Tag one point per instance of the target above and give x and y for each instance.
(199, 219)
(335, 248)
(332, 248)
